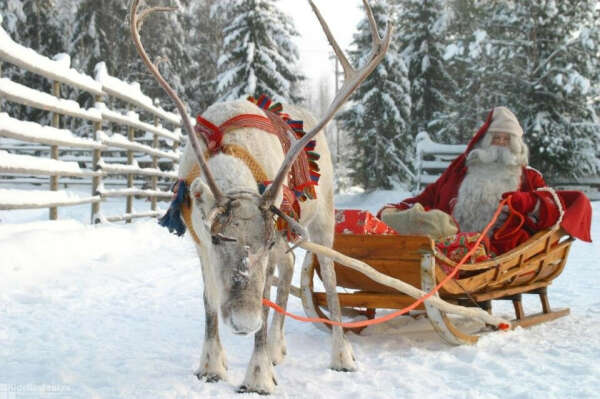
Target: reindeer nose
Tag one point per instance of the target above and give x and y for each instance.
(244, 323)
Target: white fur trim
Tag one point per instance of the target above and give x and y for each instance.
(534, 170)
(503, 120)
(558, 204)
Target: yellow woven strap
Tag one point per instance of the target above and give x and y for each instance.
(230, 149)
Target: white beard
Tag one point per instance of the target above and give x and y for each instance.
(491, 172)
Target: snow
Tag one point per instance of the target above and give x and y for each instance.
(427, 146)
(120, 141)
(36, 133)
(57, 70)
(37, 99)
(116, 311)
(16, 199)
(131, 93)
(13, 163)
(133, 119)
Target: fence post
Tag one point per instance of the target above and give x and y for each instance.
(155, 166)
(96, 180)
(1, 99)
(131, 138)
(54, 149)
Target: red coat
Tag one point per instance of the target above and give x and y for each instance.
(442, 195)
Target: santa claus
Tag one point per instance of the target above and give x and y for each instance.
(493, 167)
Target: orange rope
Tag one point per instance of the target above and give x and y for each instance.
(407, 309)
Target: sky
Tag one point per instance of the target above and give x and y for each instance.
(341, 15)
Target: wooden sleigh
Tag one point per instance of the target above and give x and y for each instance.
(528, 269)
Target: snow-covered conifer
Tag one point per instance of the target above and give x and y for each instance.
(378, 119)
(422, 28)
(259, 56)
(546, 58)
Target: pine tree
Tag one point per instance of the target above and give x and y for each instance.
(466, 61)
(259, 56)
(36, 24)
(422, 37)
(184, 44)
(204, 43)
(101, 35)
(379, 119)
(545, 67)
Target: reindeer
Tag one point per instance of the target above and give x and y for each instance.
(237, 243)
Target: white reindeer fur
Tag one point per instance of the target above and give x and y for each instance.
(317, 215)
(270, 156)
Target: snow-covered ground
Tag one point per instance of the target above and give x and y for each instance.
(115, 311)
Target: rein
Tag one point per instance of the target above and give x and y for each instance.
(407, 309)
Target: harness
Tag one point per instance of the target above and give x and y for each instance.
(303, 177)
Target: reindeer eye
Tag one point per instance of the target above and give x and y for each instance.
(271, 245)
(218, 239)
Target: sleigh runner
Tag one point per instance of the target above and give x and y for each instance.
(528, 269)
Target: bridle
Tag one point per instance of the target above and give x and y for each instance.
(222, 215)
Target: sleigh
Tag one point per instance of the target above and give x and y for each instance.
(527, 269)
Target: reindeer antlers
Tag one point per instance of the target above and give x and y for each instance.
(353, 78)
(135, 24)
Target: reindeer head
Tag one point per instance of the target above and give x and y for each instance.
(239, 234)
(237, 226)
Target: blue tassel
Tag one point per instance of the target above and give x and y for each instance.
(172, 219)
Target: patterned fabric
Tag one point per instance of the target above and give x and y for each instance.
(455, 247)
(304, 175)
(355, 221)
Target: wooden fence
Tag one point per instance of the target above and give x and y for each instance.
(127, 152)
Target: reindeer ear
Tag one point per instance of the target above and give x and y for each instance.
(202, 196)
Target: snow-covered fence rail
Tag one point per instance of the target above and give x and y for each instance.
(108, 134)
(145, 154)
(589, 185)
(432, 159)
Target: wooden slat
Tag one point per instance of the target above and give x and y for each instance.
(27, 201)
(120, 218)
(134, 100)
(135, 192)
(539, 318)
(19, 164)
(428, 165)
(393, 247)
(122, 142)
(135, 170)
(115, 117)
(34, 133)
(24, 95)
(471, 284)
(428, 179)
(495, 294)
(369, 300)
(407, 271)
(33, 62)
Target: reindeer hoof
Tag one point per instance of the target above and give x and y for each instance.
(343, 370)
(209, 378)
(244, 389)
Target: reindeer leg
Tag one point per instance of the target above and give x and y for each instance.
(260, 375)
(342, 356)
(213, 364)
(321, 231)
(277, 346)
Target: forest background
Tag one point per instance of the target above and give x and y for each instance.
(449, 64)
